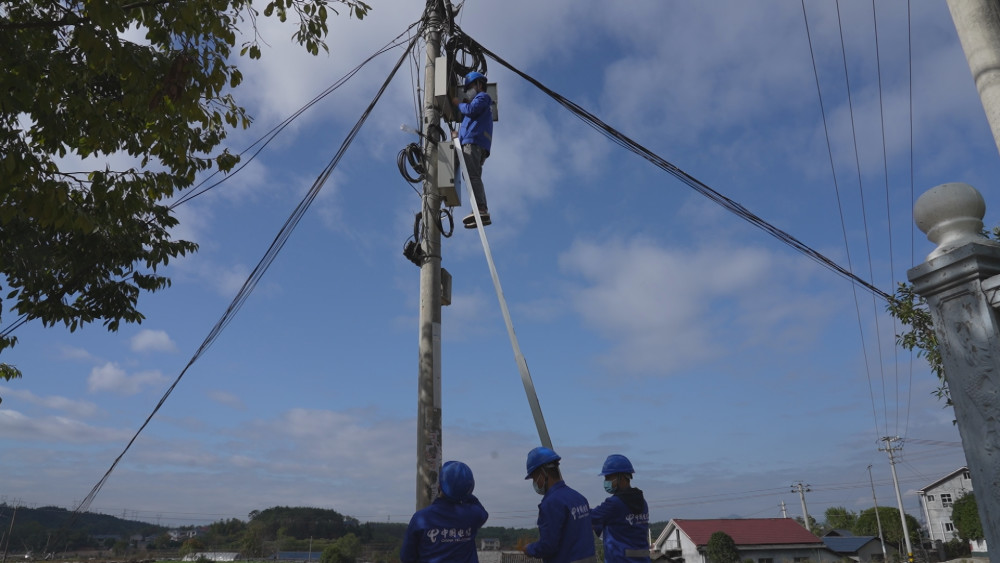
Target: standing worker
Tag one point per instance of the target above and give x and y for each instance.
(564, 527)
(446, 530)
(622, 521)
(476, 136)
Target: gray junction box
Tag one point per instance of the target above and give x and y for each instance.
(447, 173)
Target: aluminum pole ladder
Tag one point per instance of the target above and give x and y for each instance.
(522, 365)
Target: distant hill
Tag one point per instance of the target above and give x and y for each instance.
(280, 528)
(304, 523)
(50, 528)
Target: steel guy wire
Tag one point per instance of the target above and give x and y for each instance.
(909, 76)
(257, 273)
(888, 209)
(864, 214)
(843, 223)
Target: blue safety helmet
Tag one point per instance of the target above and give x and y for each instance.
(456, 480)
(472, 77)
(538, 457)
(617, 463)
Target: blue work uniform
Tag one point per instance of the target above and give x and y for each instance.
(445, 531)
(564, 528)
(477, 122)
(622, 521)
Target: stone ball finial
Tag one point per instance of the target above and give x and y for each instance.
(951, 215)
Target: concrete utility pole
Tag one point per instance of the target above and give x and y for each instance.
(802, 490)
(899, 499)
(978, 25)
(960, 282)
(429, 386)
(878, 519)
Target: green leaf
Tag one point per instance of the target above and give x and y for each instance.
(8, 372)
(84, 246)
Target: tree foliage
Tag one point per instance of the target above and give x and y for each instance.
(839, 518)
(911, 310)
(965, 516)
(721, 548)
(304, 523)
(191, 545)
(867, 524)
(344, 550)
(252, 544)
(140, 92)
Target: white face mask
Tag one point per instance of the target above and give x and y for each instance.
(538, 488)
(471, 93)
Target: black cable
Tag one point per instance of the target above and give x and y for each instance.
(435, 133)
(270, 135)
(465, 45)
(864, 213)
(15, 325)
(412, 155)
(251, 282)
(449, 16)
(451, 223)
(909, 75)
(888, 208)
(736, 208)
(840, 210)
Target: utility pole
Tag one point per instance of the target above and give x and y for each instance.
(429, 386)
(978, 25)
(802, 490)
(784, 513)
(878, 519)
(899, 499)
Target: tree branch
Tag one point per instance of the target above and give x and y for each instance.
(72, 19)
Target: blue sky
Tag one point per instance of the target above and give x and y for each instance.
(656, 324)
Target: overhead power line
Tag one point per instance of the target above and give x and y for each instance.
(840, 209)
(266, 139)
(736, 208)
(258, 272)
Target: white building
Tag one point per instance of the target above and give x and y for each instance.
(937, 499)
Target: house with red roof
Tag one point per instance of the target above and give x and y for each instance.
(761, 540)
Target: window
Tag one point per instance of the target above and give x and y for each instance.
(930, 497)
(945, 499)
(966, 476)
(949, 527)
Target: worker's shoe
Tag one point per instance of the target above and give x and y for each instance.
(470, 219)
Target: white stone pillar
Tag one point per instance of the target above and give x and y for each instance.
(960, 281)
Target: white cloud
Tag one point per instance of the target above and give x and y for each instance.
(54, 402)
(664, 309)
(226, 398)
(152, 341)
(74, 353)
(17, 426)
(110, 377)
